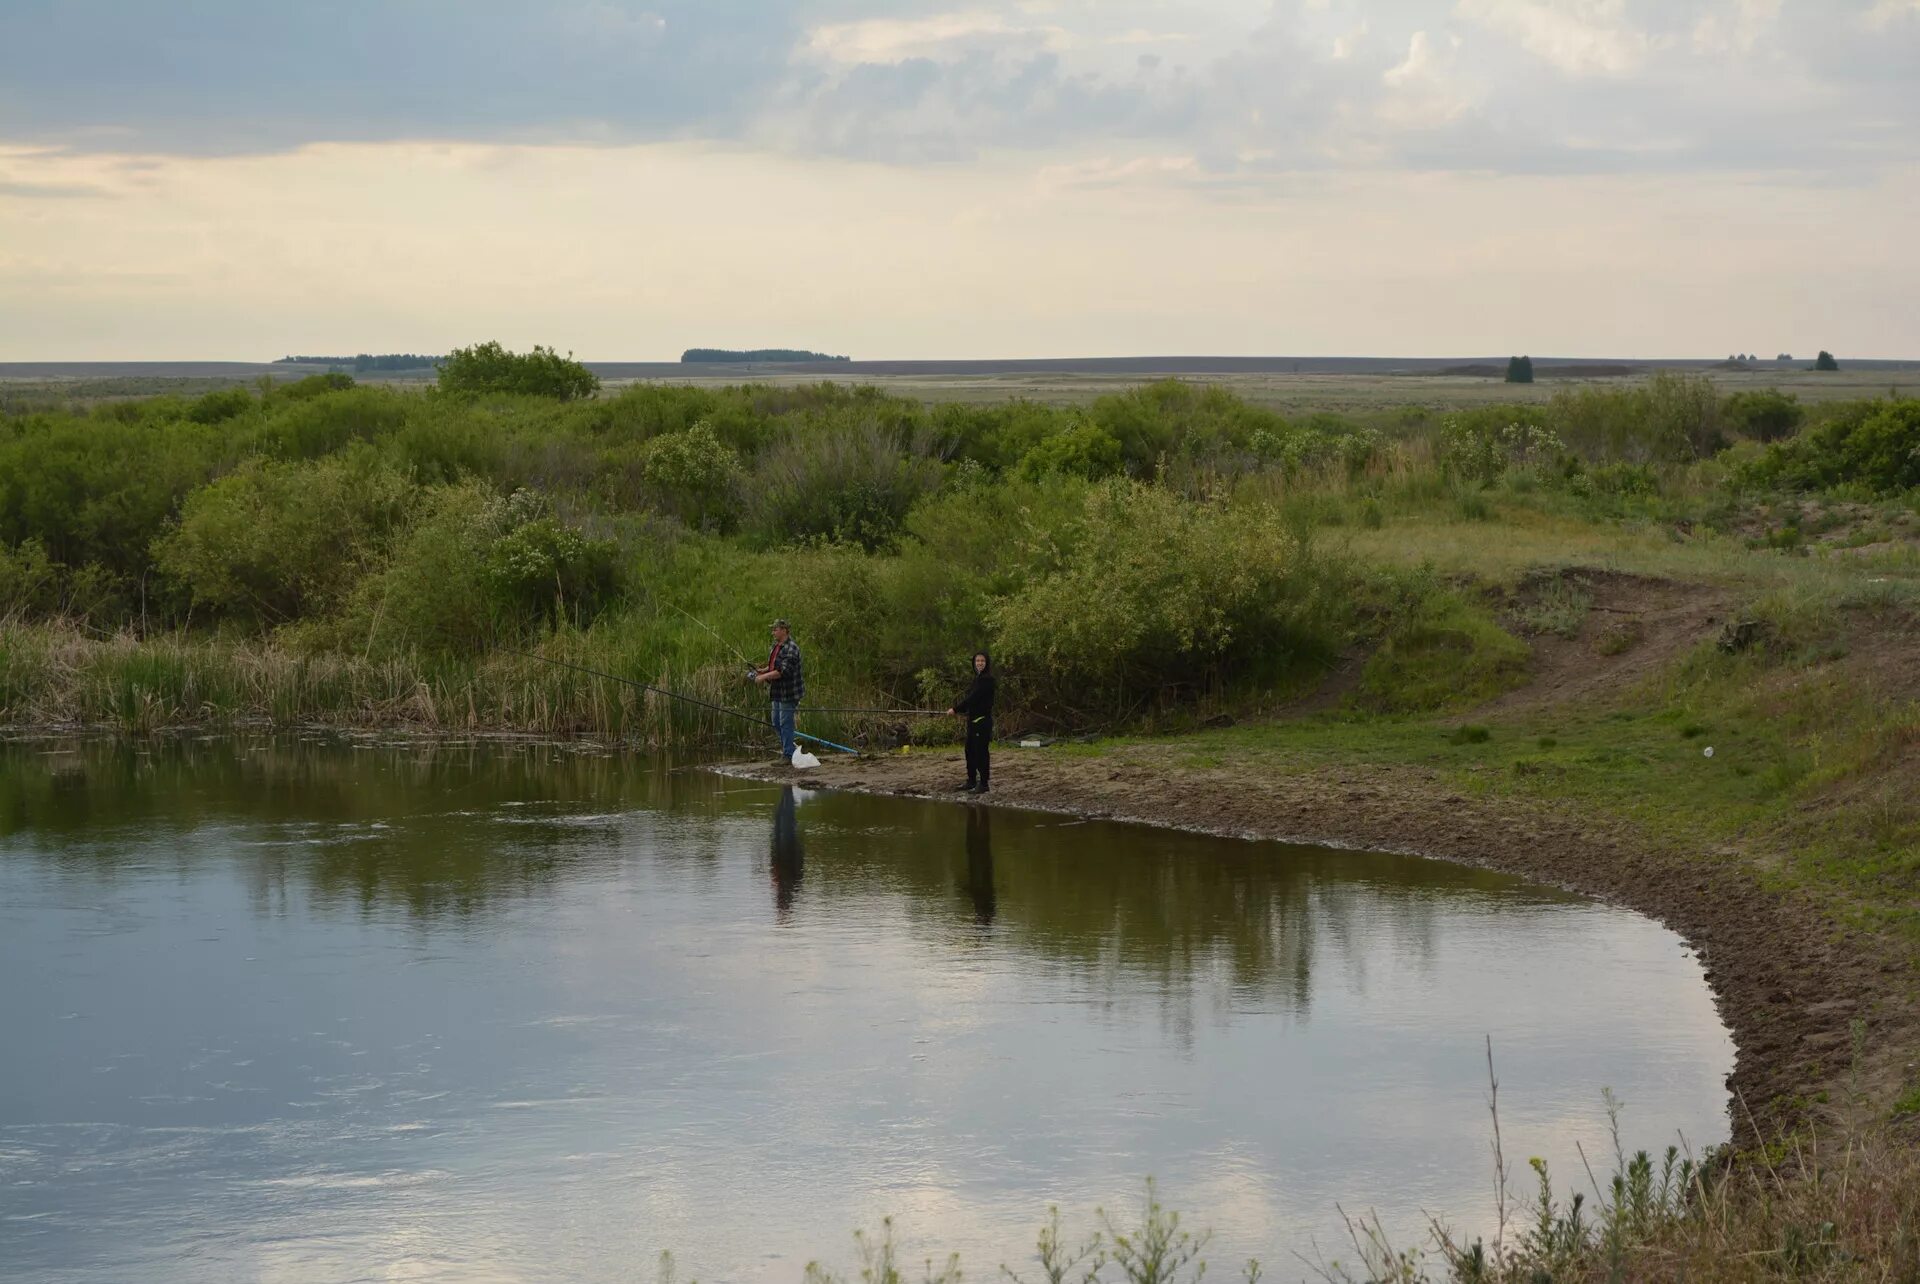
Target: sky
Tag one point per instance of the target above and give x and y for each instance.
(227, 179)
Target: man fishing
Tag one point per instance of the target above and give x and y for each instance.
(785, 684)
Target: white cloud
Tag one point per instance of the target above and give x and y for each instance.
(1579, 37)
(941, 35)
(1738, 28)
(1885, 13)
(1422, 92)
(1417, 66)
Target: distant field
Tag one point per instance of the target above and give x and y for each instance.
(1286, 384)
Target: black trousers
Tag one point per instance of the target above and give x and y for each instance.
(979, 736)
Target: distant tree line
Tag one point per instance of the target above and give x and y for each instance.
(756, 354)
(366, 361)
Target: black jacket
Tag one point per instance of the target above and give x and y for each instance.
(978, 701)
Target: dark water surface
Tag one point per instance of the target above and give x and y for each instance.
(317, 1010)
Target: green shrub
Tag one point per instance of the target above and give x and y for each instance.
(1158, 595)
(1083, 450)
(1764, 414)
(1321, 440)
(477, 568)
(846, 482)
(220, 405)
(97, 489)
(29, 580)
(273, 541)
(1480, 446)
(998, 437)
(1871, 445)
(1672, 418)
(311, 426)
(538, 568)
(1685, 408)
(693, 475)
(490, 368)
(1168, 418)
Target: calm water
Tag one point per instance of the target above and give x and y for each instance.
(316, 1010)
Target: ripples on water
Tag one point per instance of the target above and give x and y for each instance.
(313, 1010)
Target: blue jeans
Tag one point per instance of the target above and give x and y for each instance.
(783, 711)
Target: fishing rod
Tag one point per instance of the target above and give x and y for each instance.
(741, 655)
(716, 636)
(673, 695)
(923, 713)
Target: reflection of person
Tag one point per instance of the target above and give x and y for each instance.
(786, 863)
(784, 682)
(980, 864)
(976, 706)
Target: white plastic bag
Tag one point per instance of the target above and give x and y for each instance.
(803, 759)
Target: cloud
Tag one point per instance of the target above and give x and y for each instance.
(1580, 37)
(1821, 87)
(51, 191)
(1885, 13)
(936, 36)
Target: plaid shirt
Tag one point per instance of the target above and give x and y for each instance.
(791, 684)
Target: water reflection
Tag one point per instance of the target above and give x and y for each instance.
(448, 832)
(788, 860)
(980, 864)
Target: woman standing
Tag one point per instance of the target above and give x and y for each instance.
(977, 708)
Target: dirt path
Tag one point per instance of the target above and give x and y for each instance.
(1787, 987)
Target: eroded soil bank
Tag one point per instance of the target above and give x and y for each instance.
(1789, 986)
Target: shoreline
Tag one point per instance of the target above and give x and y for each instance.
(1789, 996)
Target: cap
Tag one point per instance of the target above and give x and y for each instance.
(782, 624)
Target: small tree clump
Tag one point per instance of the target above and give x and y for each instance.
(1520, 370)
(543, 372)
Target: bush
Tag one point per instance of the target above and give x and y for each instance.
(97, 489)
(538, 568)
(313, 386)
(1169, 418)
(1763, 415)
(1084, 450)
(29, 580)
(490, 368)
(1685, 408)
(1479, 446)
(274, 541)
(477, 568)
(220, 405)
(1672, 418)
(847, 482)
(998, 437)
(311, 426)
(1873, 445)
(1323, 439)
(693, 475)
(1158, 595)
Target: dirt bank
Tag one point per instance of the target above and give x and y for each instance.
(1788, 986)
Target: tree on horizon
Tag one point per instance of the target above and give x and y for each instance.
(1519, 369)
